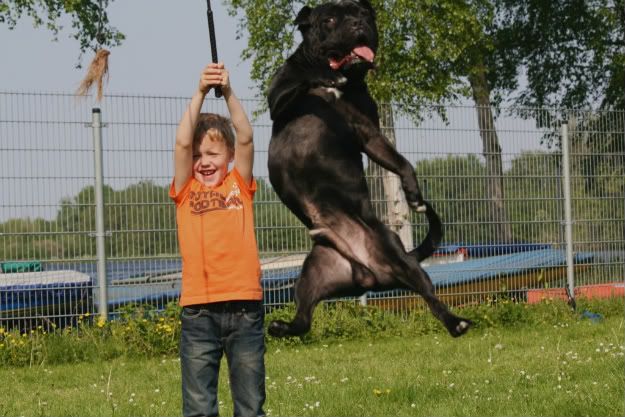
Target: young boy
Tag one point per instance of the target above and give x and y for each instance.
(221, 295)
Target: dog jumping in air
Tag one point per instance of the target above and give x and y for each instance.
(324, 120)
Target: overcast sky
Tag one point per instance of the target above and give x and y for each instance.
(166, 46)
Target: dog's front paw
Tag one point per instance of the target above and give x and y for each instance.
(278, 328)
(418, 206)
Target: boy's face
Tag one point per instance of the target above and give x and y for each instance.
(210, 161)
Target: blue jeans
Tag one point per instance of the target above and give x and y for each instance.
(210, 330)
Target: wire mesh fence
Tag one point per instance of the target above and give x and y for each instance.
(499, 189)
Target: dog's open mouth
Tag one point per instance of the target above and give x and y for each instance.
(359, 53)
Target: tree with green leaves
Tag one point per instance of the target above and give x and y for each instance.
(571, 52)
(567, 53)
(89, 20)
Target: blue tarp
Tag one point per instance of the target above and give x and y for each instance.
(490, 249)
(121, 270)
(481, 269)
(470, 271)
(29, 297)
(22, 291)
(277, 284)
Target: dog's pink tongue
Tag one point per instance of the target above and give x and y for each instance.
(365, 53)
(362, 51)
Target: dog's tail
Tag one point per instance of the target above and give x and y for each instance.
(433, 238)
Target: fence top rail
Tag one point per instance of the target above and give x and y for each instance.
(426, 107)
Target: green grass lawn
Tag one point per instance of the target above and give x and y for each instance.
(565, 369)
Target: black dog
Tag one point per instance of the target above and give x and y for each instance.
(324, 119)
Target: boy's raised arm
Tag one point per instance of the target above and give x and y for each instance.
(183, 152)
(212, 75)
(244, 143)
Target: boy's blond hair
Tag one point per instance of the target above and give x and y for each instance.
(217, 127)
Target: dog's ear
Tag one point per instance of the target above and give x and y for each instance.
(303, 19)
(366, 4)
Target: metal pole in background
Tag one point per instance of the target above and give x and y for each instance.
(96, 126)
(363, 299)
(568, 216)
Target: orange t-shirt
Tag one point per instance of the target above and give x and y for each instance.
(217, 242)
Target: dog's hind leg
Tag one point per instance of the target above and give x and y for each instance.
(456, 326)
(325, 274)
(409, 273)
(419, 281)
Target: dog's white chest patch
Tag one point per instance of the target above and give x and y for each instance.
(333, 90)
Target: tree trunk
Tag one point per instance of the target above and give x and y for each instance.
(492, 155)
(397, 210)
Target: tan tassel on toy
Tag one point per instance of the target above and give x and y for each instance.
(97, 70)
